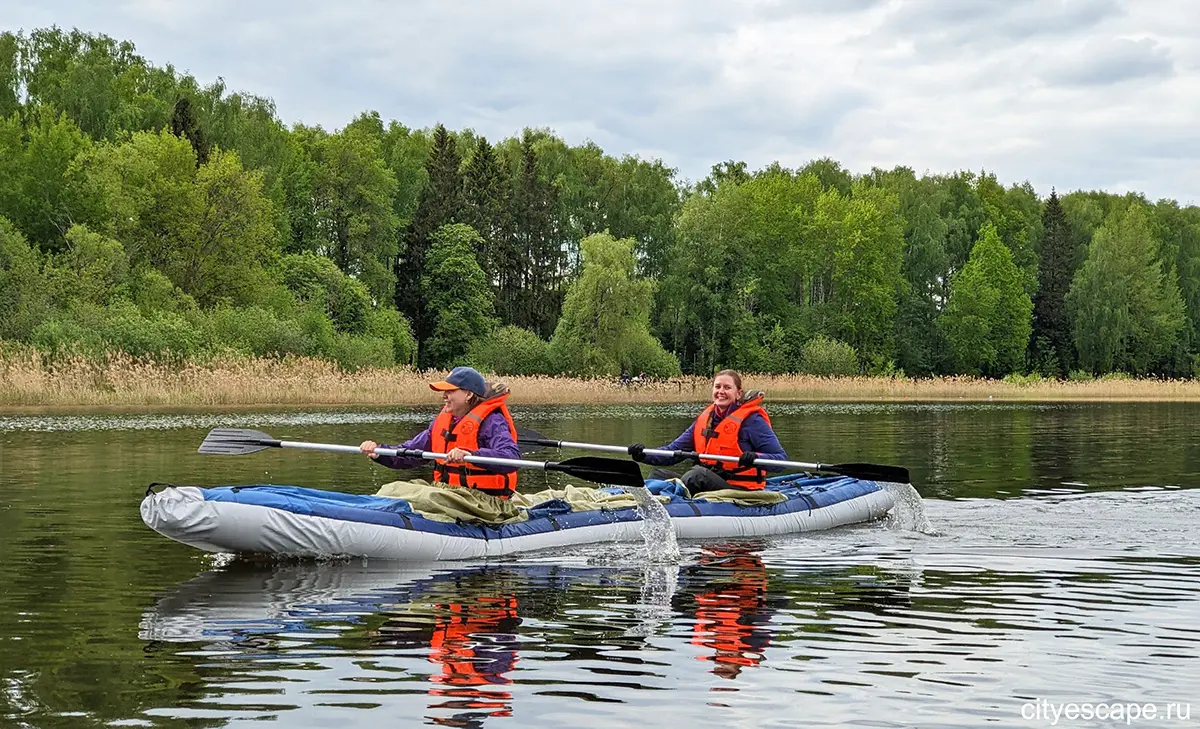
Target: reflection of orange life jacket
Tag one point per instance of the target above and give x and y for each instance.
(445, 435)
(722, 440)
(729, 619)
(463, 642)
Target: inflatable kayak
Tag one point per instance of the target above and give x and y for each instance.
(295, 521)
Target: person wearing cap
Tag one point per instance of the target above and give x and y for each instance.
(474, 421)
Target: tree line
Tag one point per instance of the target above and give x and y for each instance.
(143, 211)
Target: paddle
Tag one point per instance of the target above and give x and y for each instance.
(611, 471)
(862, 471)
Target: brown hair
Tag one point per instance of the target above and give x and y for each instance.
(732, 374)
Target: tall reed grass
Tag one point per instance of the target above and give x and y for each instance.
(30, 380)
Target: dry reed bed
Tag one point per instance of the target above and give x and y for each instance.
(28, 381)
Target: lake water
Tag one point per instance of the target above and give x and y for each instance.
(1054, 560)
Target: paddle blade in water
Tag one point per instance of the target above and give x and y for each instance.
(236, 442)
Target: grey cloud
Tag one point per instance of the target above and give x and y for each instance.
(965, 22)
(786, 9)
(1110, 62)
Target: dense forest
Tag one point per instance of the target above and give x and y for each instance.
(144, 212)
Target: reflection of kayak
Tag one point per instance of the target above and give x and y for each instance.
(242, 601)
(288, 520)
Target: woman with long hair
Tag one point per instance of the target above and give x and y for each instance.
(734, 424)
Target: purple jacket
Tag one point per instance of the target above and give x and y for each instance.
(756, 435)
(494, 442)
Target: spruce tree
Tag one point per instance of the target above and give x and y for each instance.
(486, 208)
(441, 203)
(1053, 352)
(185, 124)
(538, 254)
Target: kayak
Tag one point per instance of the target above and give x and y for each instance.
(267, 519)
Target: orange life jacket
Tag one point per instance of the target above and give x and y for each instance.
(722, 440)
(446, 435)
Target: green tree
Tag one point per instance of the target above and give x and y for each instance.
(831, 175)
(1177, 231)
(405, 151)
(208, 229)
(22, 288)
(486, 208)
(99, 83)
(223, 253)
(440, 204)
(10, 74)
(1127, 314)
(37, 197)
(457, 295)
(540, 254)
(919, 343)
(511, 350)
(355, 222)
(184, 124)
(605, 324)
(856, 249)
(742, 279)
(93, 268)
(1051, 348)
(316, 279)
(729, 172)
(987, 319)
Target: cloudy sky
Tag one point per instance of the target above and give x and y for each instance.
(1070, 93)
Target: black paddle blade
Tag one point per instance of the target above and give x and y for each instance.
(531, 441)
(528, 437)
(610, 471)
(871, 472)
(236, 442)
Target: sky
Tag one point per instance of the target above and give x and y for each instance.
(1091, 94)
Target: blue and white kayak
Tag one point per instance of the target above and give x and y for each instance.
(295, 521)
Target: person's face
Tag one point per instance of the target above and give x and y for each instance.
(724, 391)
(456, 401)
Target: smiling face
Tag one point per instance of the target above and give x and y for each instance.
(456, 401)
(725, 391)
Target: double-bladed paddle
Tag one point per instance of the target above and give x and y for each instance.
(863, 471)
(611, 471)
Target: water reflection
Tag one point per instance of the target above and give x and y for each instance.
(475, 643)
(469, 622)
(732, 610)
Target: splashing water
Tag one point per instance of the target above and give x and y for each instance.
(657, 530)
(653, 610)
(909, 512)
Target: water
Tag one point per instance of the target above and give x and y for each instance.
(1053, 558)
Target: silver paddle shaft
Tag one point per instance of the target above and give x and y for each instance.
(427, 455)
(682, 454)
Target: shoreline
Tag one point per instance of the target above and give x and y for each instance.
(124, 384)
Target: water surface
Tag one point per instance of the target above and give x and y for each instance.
(1061, 564)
